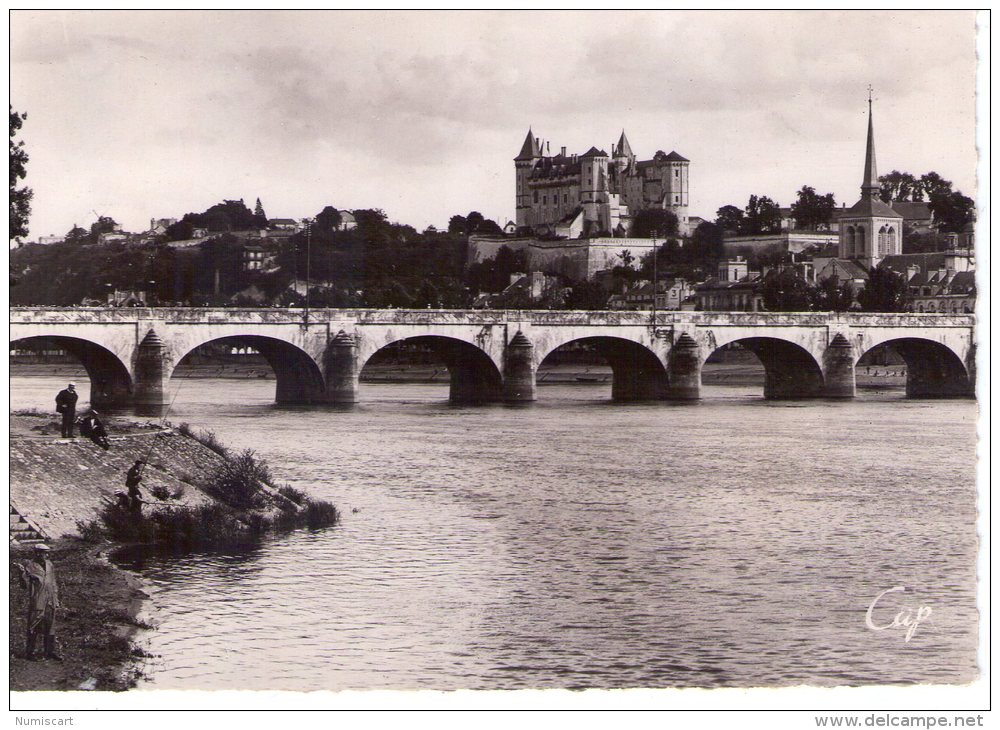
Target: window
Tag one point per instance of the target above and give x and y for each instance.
(545, 200)
(677, 174)
(536, 196)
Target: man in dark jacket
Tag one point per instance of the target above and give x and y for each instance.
(66, 405)
(92, 427)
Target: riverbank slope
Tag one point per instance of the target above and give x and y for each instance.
(56, 483)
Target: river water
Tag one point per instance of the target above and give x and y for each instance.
(576, 542)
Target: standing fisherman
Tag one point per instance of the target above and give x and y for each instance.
(132, 480)
(39, 578)
(66, 405)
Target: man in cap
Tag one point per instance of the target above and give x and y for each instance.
(92, 427)
(39, 577)
(66, 405)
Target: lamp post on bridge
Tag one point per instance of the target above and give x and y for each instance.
(655, 263)
(308, 222)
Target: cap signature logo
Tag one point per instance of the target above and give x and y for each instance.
(907, 618)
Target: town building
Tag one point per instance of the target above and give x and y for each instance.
(594, 193)
(734, 288)
(347, 221)
(671, 294)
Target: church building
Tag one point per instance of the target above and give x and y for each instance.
(592, 193)
(870, 230)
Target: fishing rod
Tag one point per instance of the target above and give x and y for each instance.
(163, 420)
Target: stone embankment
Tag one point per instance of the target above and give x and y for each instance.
(55, 482)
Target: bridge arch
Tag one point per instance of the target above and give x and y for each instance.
(299, 379)
(790, 370)
(110, 380)
(473, 376)
(637, 373)
(933, 369)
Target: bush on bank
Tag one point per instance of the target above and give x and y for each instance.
(247, 508)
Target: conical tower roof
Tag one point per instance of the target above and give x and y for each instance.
(624, 149)
(530, 149)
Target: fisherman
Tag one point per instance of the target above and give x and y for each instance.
(66, 405)
(92, 427)
(132, 481)
(39, 577)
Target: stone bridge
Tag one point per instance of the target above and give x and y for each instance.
(493, 355)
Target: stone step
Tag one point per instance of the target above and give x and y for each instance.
(21, 530)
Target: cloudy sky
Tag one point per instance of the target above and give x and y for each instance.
(143, 114)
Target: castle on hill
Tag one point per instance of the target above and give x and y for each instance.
(590, 194)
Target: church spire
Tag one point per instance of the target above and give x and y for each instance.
(869, 185)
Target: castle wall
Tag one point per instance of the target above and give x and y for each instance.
(576, 259)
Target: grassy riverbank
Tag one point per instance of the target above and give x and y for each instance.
(198, 495)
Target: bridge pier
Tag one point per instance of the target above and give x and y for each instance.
(684, 370)
(519, 370)
(151, 376)
(838, 369)
(341, 369)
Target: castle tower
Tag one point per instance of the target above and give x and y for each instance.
(594, 188)
(870, 230)
(622, 153)
(523, 164)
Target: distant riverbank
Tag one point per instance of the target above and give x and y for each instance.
(736, 374)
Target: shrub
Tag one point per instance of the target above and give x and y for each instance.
(320, 513)
(160, 492)
(206, 438)
(295, 495)
(207, 525)
(239, 481)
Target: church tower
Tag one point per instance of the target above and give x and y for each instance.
(524, 163)
(870, 230)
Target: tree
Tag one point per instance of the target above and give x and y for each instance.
(811, 211)
(650, 221)
(952, 211)
(729, 218)
(786, 291)
(933, 184)
(327, 220)
(474, 222)
(76, 235)
(899, 186)
(762, 216)
(20, 197)
(706, 244)
(832, 296)
(259, 215)
(885, 291)
(586, 295)
(103, 224)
